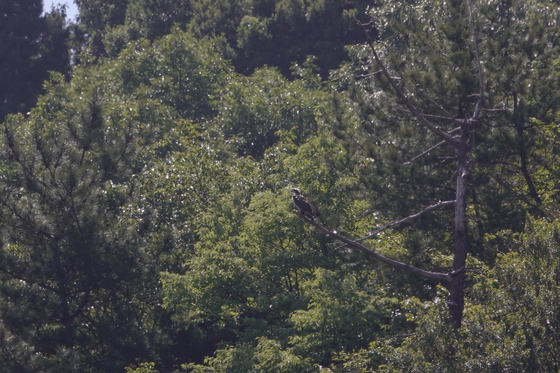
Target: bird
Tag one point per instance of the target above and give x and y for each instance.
(305, 208)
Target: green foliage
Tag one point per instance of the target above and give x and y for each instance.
(219, 17)
(67, 243)
(255, 111)
(299, 29)
(511, 324)
(177, 70)
(55, 44)
(148, 19)
(342, 315)
(247, 265)
(145, 204)
(82, 229)
(254, 281)
(21, 26)
(252, 31)
(97, 17)
(430, 52)
(142, 368)
(522, 80)
(267, 357)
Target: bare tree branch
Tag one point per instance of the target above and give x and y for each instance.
(408, 218)
(368, 75)
(456, 120)
(396, 336)
(444, 277)
(424, 153)
(430, 149)
(443, 135)
(449, 116)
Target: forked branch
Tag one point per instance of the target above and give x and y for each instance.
(443, 277)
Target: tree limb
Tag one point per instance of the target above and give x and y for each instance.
(455, 120)
(433, 102)
(368, 75)
(29, 282)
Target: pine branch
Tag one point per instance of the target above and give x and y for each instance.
(27, 281)
(368, 75)
(423, 120)
(433, 102)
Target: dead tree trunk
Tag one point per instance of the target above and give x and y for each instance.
(456, 302)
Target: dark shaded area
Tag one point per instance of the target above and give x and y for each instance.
(31, 45)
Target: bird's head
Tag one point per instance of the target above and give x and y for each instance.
(295, 191)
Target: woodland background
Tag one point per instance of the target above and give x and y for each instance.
(147, 153)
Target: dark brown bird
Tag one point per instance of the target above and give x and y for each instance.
(305, 208)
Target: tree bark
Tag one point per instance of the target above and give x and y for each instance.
(456, 302)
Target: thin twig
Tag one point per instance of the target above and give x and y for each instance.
(449, 116)
(424, 152)
(442, 117)
(430, 149)
(368, 75)
(396, 336)
(27, 281)
(408, 218)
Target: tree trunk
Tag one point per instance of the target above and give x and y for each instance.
(520, 144)
(456, 302)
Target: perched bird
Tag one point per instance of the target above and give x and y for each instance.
(305, 208)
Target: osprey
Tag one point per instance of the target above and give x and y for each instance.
(305, 208)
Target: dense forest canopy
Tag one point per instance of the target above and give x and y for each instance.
(149, 149)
